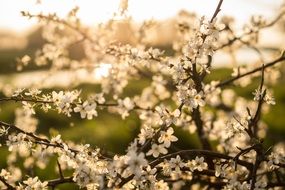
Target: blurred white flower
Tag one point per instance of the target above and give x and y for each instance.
(135, 162)
(33, 92)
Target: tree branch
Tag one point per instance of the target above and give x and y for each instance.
(231, 80)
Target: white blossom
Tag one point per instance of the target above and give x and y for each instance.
(166, 137)
(64, 101)
(35, 184)
(87, 109)
(18, 91)
(5, 174)
(146, 132)
(161, 185)
(156, 150)
(176, 163)
(197, 164)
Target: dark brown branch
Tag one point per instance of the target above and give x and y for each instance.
(270, 64)
(253, 122)
(9, 186)
(192, 153)
(55, 19)
(277, 184)
(218, 9)
(40, 101)
(206, 153)
(45, 141)
(24, 132)
(59, 170)
(22, 99)
(242, 152)
(53, 183)
(196, 116)
(253, 176)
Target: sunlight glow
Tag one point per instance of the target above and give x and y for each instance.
(102, 71)
(92, 12)
(55, 79)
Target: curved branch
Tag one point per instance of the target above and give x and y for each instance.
(53, 183)
(231, 80)
(196, 152)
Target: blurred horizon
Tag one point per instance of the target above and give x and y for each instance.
(11, 19)
(20, 35)
(16, 29)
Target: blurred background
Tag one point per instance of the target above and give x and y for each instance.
(20, 36)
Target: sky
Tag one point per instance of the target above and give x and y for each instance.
(92, 12)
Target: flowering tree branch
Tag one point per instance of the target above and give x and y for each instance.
(270, 64)
(171, 94)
